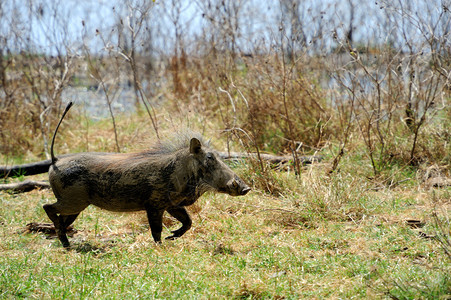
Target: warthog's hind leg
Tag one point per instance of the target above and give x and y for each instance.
(61, 221)
(58, 221)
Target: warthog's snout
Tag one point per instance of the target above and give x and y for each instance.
(244, 191)
(237, 187)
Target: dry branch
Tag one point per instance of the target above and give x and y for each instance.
(24, 186)
(47, 228)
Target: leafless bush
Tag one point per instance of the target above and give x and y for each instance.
(31, 82)
(390, 84)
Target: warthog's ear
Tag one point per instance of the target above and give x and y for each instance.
(195, 146)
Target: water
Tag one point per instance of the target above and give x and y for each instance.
(94, 101)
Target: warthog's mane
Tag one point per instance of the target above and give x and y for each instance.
(176, 142)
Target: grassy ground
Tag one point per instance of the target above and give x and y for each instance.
(324, 237)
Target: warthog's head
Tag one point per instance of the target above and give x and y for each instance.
(214, 173)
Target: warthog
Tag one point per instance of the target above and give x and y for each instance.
(166, 178)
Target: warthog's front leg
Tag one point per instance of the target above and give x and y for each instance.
(155, 217)
(182, 215)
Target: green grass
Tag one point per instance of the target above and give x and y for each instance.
(324, 239)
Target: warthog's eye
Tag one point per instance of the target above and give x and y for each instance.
(210, 160)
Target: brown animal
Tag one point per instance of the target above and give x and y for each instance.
(165, 178)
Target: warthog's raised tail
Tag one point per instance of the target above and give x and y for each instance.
(69, 105)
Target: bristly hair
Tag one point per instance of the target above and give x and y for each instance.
(179, 140)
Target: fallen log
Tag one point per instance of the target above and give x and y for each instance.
(43, 166)
(24, 186)
(26, 169)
